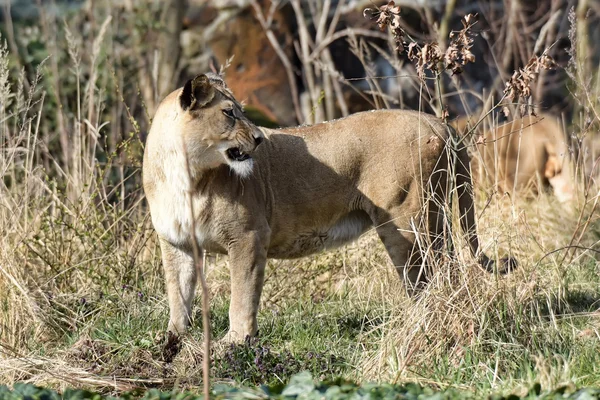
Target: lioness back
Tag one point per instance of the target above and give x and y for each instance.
(353, 166)
(526, 155)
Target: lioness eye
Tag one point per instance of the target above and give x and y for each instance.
(229, 112)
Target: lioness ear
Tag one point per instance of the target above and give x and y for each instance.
(196, 92)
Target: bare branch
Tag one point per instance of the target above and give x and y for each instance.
(282, 56)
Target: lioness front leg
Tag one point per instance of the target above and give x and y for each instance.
(181, 278)
(247, 259)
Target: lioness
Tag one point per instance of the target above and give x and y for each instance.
(526, 155)
(302, 190)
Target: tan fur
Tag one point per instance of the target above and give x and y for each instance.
(311, 188)
(528, 154)
(463, 124)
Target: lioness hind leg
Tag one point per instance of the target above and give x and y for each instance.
(181, 278)
(400, 246)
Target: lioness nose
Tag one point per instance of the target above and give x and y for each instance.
(258, 140)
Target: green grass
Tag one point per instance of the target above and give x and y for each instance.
(93, 311)
(504, 336)
(300, 386)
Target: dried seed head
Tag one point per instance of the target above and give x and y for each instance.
(388, 15)
(519, 84)
(428, 56)
(458, 54)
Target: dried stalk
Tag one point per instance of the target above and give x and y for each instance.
(328, 63)
(545, 39)
(309, 72)
(169, 46)
(289, 69)
(327, 80)
(442, 37)
(330, 38)
(199, 256)
(12, 43)
(583, 45)
(63, 135)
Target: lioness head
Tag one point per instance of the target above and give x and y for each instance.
(213, 126)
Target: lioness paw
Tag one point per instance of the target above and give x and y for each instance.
(233, 337)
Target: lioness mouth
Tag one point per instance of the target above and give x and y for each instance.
(237, 155)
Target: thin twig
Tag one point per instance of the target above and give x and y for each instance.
(289, 69)
(199, 264)
(309, 73)
(341, 34)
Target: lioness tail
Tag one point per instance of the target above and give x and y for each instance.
(467, 215)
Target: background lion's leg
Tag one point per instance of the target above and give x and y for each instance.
(247, 259)
(181, 278)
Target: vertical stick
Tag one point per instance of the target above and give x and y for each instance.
(443, 32)
(289, 68)
(63, 134)
(313, 86)
(199, 262)
(583, 46)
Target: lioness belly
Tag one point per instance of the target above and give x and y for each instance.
(310, 241)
